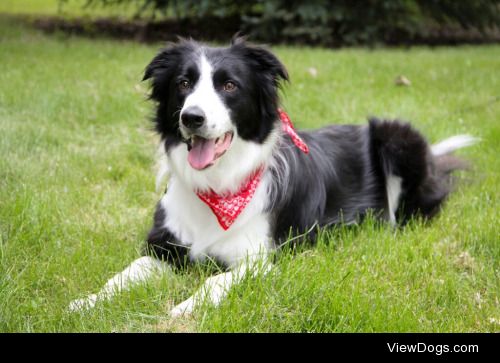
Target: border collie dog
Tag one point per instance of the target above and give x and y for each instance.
(242, 181)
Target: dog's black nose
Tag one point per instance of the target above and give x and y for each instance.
(193, 117)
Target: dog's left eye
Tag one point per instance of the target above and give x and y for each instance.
(229, 86)
(184, 85)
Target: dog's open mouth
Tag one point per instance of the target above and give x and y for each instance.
(203, 153)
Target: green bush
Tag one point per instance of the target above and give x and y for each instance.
(368, 21)
(330, 22)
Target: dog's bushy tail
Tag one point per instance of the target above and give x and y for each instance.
(445, 161)
(440, 180)
(425, 170)
(453, 143)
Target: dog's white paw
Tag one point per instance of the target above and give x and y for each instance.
(83, 304)
(185, 308)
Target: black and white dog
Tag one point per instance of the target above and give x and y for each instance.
(242, 180)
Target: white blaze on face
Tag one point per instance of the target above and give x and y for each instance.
(207, 99)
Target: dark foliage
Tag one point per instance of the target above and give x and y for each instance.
(330, 22)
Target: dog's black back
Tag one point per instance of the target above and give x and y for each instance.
(345, 175)
(386, 167)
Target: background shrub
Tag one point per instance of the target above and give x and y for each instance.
(329, 22)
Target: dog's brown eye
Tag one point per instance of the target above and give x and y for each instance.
(184, 85)
(229, 86)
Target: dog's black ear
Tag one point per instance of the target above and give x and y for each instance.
(164, 65)
(168, 58)
(238, 38)
(263, 61)
(271, 63)
(160, 62)
(150, 69)
(268, 73)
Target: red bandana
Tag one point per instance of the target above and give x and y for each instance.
(228, 207)
(290, 130)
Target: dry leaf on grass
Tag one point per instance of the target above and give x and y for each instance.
(312, 71)
(402, 81)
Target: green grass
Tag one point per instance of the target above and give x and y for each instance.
(67, 9)
(77, 195)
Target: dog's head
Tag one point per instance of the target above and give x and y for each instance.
(211, 99)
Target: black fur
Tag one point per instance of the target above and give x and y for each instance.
(163, 244)
(165, 70)
(333, 183)
(342, 178)
(255, 69)
(402, 151)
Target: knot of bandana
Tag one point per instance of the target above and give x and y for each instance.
(227, 208)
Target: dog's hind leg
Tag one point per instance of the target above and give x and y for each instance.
(138, 271)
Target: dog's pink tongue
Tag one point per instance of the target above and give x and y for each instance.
(202, 153)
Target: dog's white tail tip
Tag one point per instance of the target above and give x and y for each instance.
(453, 143)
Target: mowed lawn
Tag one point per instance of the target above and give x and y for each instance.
(77, 195)
(67, 9)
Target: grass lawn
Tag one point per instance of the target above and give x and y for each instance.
(67, 8)
(77, 195)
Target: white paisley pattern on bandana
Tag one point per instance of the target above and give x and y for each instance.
(228, 207)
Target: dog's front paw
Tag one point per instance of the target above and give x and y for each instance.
(82, 304)
(185, 308)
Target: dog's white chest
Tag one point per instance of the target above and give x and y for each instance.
(195, 225)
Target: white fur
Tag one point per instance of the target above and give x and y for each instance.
(192, 221)
(248, 239)
(138, 271)
(204, 96)
(230, 170)
(240, 159)
(162, 169)
(216, 287)
(247, 242)
(453, 143)
(248, 235)
(393, 188)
